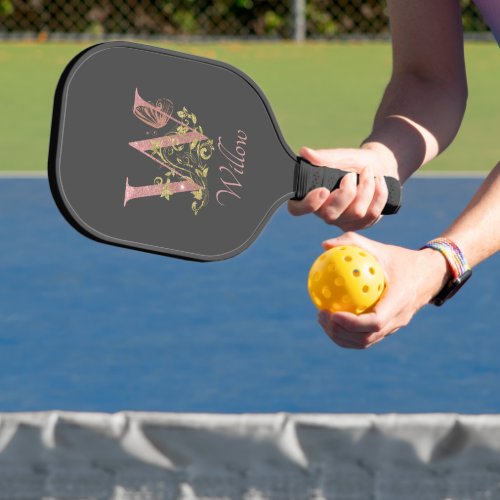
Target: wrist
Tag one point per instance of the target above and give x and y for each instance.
(437, 272)
(386, 157)
(457, 265)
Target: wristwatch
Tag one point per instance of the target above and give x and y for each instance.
(460, 270)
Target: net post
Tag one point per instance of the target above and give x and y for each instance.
(299, 20)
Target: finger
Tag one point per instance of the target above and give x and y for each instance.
(338, 201)
(362, 324)
(324, 318)
(353, 341)
(385, 318)
(375, 339)
(365, 191)
(338, 334)
(393, 332)
(348, 338)
(366, 209)
(313, 156)
(394, 310)
(372, 343)
(344, 344)
(362, 340)
(348, 238)
(342, 340)
(380, 195)
(338, 158)
(311, 203)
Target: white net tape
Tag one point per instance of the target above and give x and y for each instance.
(160, 456)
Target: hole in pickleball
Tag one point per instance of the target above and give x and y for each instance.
(372, 270)
(337, 306)
(326, 292)
(348, 258)
(339, 281)
(330, 268)
(366, 289)
(356, 273)
(362, 254)
(360, 309)
(317, 276)
(379, 287)
(317, 300)
(346, 299)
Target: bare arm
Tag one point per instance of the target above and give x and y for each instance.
(425, 100)
(418, 117)
(477, 230)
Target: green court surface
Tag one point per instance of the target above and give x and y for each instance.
(323, 94)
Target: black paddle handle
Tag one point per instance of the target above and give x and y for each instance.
(309, 177)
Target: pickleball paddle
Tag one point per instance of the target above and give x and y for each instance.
(171, 153)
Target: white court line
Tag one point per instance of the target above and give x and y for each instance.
(23, 174)
(452, 174)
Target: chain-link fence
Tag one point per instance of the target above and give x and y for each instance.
(206, 18)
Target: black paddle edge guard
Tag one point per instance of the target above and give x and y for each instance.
(55, 133)
(53, 169)
(55, 185)
(308, 177)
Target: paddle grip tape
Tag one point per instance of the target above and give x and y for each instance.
(308, 177)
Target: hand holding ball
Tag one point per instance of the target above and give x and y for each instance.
(346, 278)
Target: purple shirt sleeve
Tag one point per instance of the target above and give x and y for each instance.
(490, 9)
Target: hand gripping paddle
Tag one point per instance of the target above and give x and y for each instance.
(171, 153)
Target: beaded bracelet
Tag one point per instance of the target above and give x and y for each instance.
(460, 269)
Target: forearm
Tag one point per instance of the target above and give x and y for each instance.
(424, 103)
(477, 230)
(416, 120)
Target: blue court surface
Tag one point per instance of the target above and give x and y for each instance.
(90, 327)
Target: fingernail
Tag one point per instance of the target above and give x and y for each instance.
(324, 194)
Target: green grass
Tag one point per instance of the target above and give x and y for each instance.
(323, 94)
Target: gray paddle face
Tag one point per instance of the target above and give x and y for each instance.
(160, 151)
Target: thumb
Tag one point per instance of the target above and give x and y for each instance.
(349, 238)
(338, 158)
(311, 155)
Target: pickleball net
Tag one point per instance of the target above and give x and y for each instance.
(159, 456)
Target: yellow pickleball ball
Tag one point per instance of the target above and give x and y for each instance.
(346, 278)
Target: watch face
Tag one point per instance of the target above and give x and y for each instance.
(451, 288)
